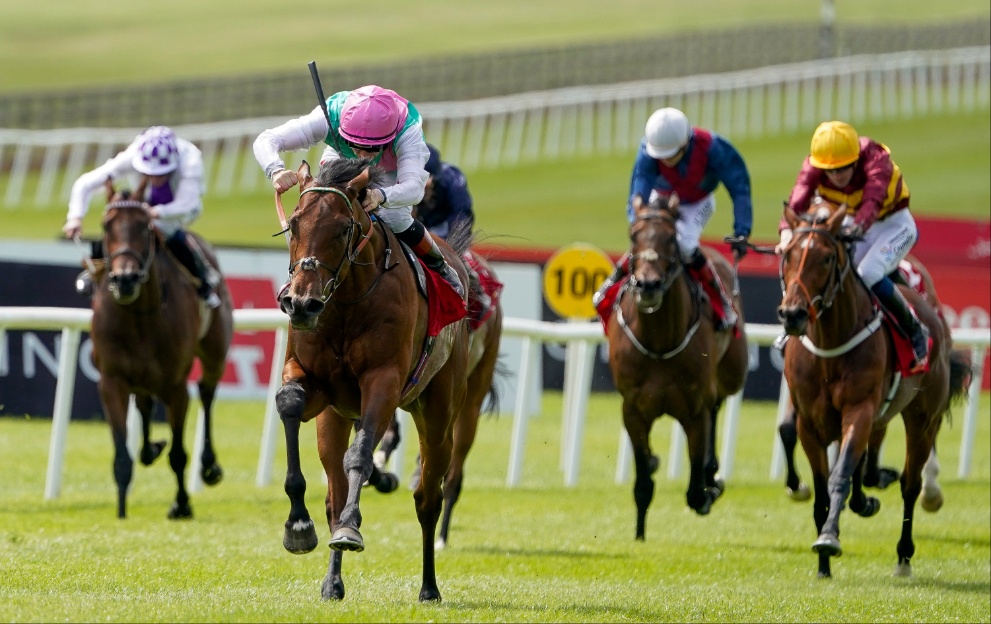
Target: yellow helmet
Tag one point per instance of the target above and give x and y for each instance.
(835, 144)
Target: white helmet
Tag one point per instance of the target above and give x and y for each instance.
(158, 153)
(667, 132)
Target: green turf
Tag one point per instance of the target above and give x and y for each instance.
(539, 552)
(61, 44)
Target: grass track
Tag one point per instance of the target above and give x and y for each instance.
(540, 552)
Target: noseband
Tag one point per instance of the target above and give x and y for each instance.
(312, 263)
(143, 261)
(837, 276)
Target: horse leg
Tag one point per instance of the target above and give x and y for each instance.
(644, 462)
(390, 442)
(436, 449)
(874, 475)
(714, 485)
(114, 397)
(465, 429)
(815, 450)
(932, 493)
(788, 433)
(177, 403)
(861, 504)
(210, 470)
(698, 432)
(919, 443)
(856, 423)
(299, 536)
(333, 433)
(150, 451)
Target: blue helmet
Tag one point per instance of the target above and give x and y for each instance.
(433, 163)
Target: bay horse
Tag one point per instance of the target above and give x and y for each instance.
(358, 348)
(482, 394)
(148, 326)
(843, 378)
(910, 273)
(667, 358)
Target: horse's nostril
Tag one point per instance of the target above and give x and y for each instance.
(313, 307)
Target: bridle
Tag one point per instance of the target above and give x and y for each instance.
(651, 255)
(351, 249)
(144, 261)
(817, 303)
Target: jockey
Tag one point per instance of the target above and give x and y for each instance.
(450, 204)
(173, 197)
(846, 168)
(675, 157)
(375, 123)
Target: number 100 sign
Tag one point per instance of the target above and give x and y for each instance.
(571, 277)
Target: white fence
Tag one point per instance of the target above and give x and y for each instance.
(545, 125)
(581, 339)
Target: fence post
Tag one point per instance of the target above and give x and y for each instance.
(64, 387)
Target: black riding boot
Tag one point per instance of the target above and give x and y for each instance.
(621, 270)
(84, 281)
(185, 249)
(702, 270)
(424, 246)
(893, 300)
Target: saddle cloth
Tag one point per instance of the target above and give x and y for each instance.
(444, 306)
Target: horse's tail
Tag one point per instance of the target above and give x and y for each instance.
(492, 398)
(461, 237)
(961, 371)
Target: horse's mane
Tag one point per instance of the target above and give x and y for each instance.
(340, 171)
(461, 238)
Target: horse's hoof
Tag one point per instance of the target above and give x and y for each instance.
(180, 512)
(828, 545)
(824, 575)
(871, 506)
(151, 452)
(212, 475)
(379, 459)
(429, 594)
(717, 489)
(332, 589)
(300, 537)
(347, 539)
(884, 478)
(440, 544)
(932, 503)
(800, 494)
(387, 483)
(903, 569)
(654, 463)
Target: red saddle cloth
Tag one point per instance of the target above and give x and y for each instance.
(444, 306)
(904, 354)
(605, 306)
(490, 285)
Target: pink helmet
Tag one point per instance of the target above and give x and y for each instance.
(372, 116)
(158, 153)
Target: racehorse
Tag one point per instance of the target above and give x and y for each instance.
(148, 325)
(667, 358)
(360, 344)
(482, 368)
(911, 273)
(845, 382)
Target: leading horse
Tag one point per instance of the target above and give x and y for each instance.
(359, 347)
(844, 380)
(667, 358)
(148, 326)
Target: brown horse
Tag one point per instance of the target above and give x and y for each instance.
(358, 349)
(148, 325)
(841, 372)
(874, 474)
(667, 358)
(483, 360)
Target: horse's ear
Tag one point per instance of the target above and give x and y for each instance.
(108, 184)
(836, 219)
(303, 173)
(139, 192)
(791, 217)
(674, 202)
(359, 182)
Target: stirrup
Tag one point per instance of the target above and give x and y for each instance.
(212, 301)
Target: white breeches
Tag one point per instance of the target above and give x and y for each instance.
(885, 244)
(692, 220)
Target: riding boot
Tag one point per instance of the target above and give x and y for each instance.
(185, 249)
(426, 249)
(478, 294)
(621, 270)
(702, 270)
(893, 300)
(91, 274)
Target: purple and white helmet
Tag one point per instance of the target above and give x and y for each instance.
(158, 153)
